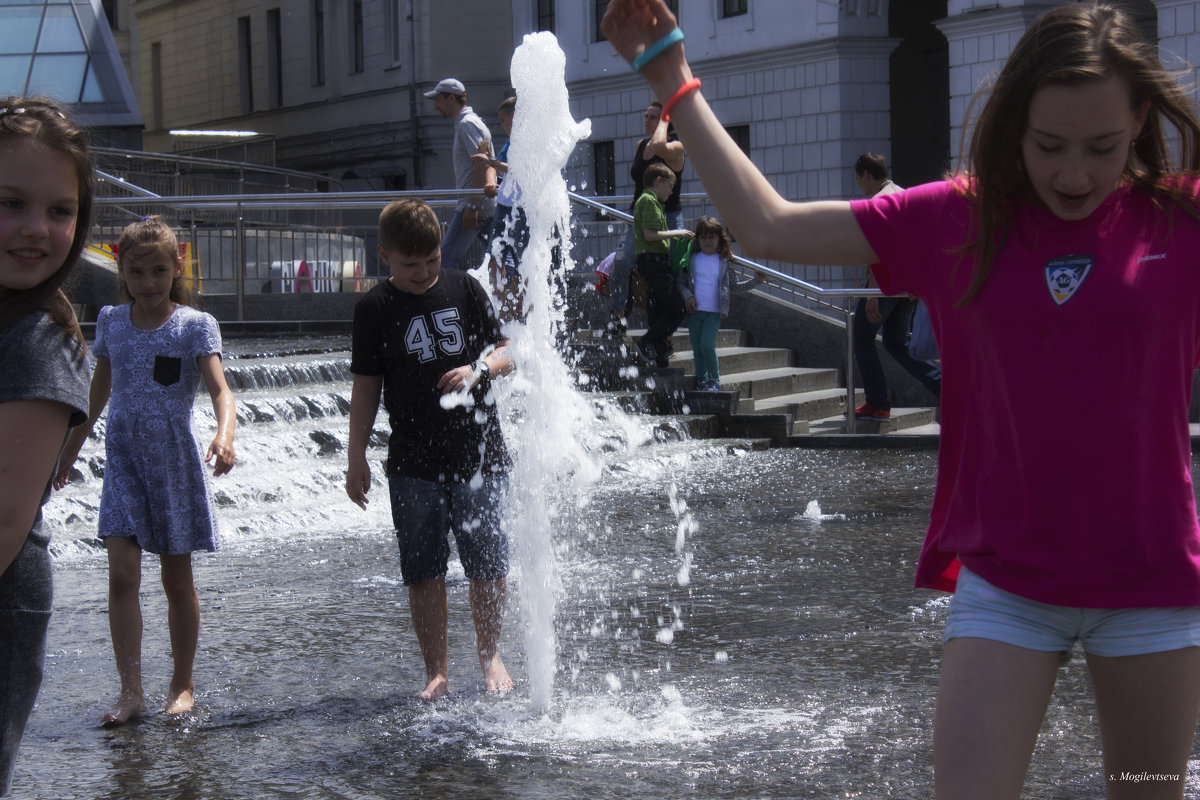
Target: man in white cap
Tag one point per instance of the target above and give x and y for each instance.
(473, 215)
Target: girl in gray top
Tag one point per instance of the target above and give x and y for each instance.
(45, 207)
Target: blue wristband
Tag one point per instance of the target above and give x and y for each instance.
(656, 48)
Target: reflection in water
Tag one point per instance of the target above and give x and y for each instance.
(801, 663)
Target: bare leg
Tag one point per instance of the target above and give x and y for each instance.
(1147, 707)
(183, 621)
(991, 702)
(487, 609)
(125, 625)
(431, 618)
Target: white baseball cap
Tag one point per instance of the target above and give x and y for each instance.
(448, 86)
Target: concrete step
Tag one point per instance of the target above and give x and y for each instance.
(814, 405)
(765, 383)
(914, 420)
(737, 359)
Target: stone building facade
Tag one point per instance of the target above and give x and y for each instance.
(804, 86)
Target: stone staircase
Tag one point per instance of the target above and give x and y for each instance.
(762, 395)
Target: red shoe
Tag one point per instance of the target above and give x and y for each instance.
(868, 411)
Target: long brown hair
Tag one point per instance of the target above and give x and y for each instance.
(150, 233)
(1067, 46)
(706, 225)
(44, 122)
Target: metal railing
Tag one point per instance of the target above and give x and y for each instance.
(599, 237)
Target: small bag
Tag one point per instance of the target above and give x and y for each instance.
(923, 346)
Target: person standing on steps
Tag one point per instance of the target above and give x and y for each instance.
(893, 314)
(473, 215)
(660, 145)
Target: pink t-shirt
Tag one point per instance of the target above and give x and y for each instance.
(1064, 472)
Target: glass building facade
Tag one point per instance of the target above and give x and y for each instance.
(65, 49)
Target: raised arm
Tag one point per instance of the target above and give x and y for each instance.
(223, 408)
(670, 151)
(765, 224)
(33, 433)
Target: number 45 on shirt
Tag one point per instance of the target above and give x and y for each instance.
(446, 335)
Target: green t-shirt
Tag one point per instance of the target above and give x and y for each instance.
(648, 215)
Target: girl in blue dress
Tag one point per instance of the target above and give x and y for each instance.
(151, 355)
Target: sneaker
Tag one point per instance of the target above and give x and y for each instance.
(712, 386)
(644, 354)
(868, 411)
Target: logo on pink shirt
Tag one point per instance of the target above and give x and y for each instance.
(1064, 276)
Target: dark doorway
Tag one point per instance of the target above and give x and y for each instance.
(920, 92)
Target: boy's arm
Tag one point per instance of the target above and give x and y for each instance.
(497, 364)
(98, 395)
(364, 406)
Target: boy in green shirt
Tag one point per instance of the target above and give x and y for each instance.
(651, 245)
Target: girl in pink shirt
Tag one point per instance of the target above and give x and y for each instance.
(1061, 279)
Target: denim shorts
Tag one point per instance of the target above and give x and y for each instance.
(979, 609)
(426, 512)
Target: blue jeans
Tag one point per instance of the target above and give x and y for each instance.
(897, 321)
(703, 327)
(457, 239)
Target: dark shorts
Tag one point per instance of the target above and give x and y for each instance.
(424, 512)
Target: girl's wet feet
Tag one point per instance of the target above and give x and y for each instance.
(439, 686)
(180, 702)
(127, 707)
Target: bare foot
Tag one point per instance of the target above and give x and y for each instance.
(439, 686)
(180, 702)
(128, 706)
(495, 676)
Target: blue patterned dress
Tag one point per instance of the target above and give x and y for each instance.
(155, 488)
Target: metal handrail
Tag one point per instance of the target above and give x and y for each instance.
(232, 166)
(440, 197)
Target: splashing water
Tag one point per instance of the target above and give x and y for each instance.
(549, 442)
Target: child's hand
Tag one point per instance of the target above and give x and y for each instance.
(67, 458)
(457, 379)
(222, 449)
(760, 275)
(690, 304)
(682, 234)
(358, 482)
(63, 476)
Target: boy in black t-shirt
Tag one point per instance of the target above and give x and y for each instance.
(430, 340)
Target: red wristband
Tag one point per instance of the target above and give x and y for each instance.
(683, 92)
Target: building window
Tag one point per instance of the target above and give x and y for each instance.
(245, 67)
(741, 136)
(395, 18)
(734, 8)
(604, 169)
(274, 58)
(318, 42)
(110, 13)
(156, 85)
(545, 15)
(356, 37)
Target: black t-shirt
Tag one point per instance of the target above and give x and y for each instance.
(412, 341)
